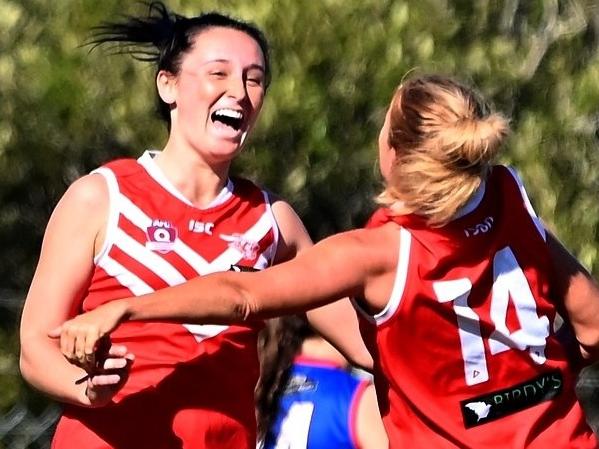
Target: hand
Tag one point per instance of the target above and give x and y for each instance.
(80, 336)
(110, 377)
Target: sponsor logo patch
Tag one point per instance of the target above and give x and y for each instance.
(300, 383)
(491, 406)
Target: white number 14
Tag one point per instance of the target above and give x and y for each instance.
(508, 282)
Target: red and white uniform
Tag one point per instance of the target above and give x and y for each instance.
(191, 386)
(467, 354)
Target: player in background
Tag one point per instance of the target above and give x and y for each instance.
(308, 395)
(462, 284)
(136, 226)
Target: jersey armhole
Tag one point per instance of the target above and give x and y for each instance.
(272, 250)
(399, 284)
(534, 217)
(113, 213)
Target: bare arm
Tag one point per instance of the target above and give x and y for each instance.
(370, 432)
(348, 264)
(580, 295)
(60, 281)
(338, 321)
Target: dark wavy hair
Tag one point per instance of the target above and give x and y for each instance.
(163, 37)
(278, 345)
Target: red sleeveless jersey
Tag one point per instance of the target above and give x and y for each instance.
(191, 386)
(467, 351)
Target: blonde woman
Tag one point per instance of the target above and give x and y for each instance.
(460, 280)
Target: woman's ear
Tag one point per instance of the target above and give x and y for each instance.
(166, 83)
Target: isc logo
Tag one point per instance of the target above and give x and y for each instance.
(201, 227)
(161, 236)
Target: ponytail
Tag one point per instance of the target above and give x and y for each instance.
(445, 140)
(279, 343)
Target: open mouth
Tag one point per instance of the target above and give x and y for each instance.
(228, 117)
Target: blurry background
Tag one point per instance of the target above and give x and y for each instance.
(64, 111)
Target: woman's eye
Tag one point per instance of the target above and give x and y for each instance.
(255, 81)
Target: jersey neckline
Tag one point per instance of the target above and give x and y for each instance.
(146, 160)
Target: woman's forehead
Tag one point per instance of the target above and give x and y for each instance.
(229, 44)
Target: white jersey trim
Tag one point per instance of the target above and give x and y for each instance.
(146, 160)
(112, 221)
(536, 220)
(399, 284)
(473, 202)
(401, 276)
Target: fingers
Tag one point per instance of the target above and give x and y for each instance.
(114, 363)
(118, 351)
(78, 343)
(106, 379)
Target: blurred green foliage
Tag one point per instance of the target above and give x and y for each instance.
(65, 110)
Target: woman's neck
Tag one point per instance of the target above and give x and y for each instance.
(195, 179)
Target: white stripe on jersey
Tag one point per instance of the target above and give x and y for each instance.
(148, 258)
(124, 276)
(136, 216)
(120, 204)
(202, 331)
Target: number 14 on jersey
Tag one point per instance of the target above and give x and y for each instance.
(509, 282)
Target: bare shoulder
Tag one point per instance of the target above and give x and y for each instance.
(89, 191)
(293, 236)
(376, 248)
(82, 210)
(282, 210)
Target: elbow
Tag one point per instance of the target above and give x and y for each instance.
(589, 348)
(26, 368)
(245, 307)
(29, 363)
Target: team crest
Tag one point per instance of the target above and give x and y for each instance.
(248, 248)
(161, 236)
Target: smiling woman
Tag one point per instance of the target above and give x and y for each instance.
(135, 226)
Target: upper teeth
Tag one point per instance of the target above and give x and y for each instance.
(232, 113)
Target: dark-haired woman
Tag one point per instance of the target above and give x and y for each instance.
(308, 395)
(136, 226)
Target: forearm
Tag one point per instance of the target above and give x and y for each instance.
(579, 294)
(44, 367)
(215, 299)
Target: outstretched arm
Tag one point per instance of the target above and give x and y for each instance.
(342, 265)
(580, 295)
(337, 322)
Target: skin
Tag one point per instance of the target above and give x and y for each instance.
(223, 70)
(370, 433)
(359, 263)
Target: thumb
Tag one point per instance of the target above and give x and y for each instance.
(55, 333)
